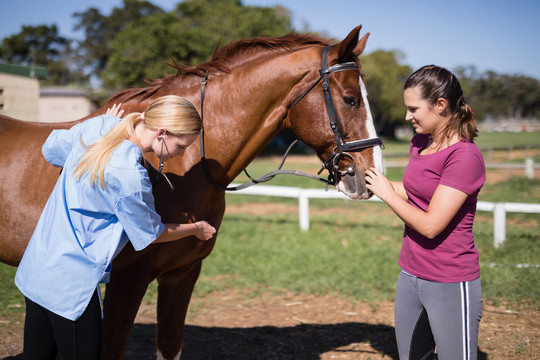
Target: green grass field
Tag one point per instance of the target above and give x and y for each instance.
(350, 250)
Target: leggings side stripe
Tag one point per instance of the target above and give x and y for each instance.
(465, 320)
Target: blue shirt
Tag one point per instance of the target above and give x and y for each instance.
(83, 226)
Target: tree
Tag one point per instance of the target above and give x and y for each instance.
(500, 95)
(384, 81)
(188, 35)
(99, 30)
(42, 45)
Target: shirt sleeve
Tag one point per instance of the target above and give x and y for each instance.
(465, 171)
(59, 144)
(139, 219)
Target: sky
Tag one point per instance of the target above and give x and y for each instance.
(498, 35)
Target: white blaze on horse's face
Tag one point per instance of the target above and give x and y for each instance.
(377, 151)
(370, 125)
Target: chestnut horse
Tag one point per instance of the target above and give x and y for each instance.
(255, 88)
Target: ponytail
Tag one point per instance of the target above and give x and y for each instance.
(467, 120)
(97, 155)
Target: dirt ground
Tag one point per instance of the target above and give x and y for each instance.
(231, 326)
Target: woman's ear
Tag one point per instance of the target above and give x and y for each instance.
(160, 133)
(441, 105)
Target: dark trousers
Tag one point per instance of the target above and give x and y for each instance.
(48, 336)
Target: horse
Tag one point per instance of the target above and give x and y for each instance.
(248, 91)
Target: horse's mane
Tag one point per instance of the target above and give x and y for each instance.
(222, 61)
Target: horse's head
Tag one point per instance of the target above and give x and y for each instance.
(330, 113)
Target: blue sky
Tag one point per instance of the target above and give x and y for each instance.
(503, 36)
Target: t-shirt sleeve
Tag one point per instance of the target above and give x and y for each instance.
(139, 219)
(59, 144)
(465, 171)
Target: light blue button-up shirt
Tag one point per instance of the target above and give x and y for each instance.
(83, 226)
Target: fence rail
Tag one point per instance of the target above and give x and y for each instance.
(499, 209)
(528, 165)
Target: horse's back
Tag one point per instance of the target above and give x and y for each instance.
(26, 181)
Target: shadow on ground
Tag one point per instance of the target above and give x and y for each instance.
(301, 342)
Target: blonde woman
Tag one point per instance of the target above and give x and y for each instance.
(102, 199)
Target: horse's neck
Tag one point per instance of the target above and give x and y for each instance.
(250, 112)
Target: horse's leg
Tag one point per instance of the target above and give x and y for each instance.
(123, 297)
(174, 293)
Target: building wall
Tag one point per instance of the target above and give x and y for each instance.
(63, 107)
(19, 97)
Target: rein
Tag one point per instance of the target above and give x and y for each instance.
(331, 164)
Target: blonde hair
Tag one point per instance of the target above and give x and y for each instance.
(173, 113)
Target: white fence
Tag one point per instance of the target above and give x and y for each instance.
(499, 210)
(528, 165)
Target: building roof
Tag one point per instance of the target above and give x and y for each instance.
(27, 71)
(61, 91)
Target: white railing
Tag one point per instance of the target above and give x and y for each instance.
(528, 165)
(303, 195)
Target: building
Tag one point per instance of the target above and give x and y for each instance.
(22, 98)
(19, 91)
(63, 104)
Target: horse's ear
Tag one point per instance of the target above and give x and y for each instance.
(360, 46)
(351, 45)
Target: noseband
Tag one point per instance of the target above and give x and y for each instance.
(340, 152)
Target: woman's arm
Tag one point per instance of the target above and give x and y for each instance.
(201, 229)
(399, 189)
(444, 205)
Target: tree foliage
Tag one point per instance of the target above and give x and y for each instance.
(188, 35)
(500, 95)
(99, 31)
(385, 77)
(42, 46)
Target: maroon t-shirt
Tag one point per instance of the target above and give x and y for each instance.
(451, 256)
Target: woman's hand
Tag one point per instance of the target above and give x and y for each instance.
(204, 231)
(115, 110)
(378, 184)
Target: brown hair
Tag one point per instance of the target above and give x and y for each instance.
(436, 82)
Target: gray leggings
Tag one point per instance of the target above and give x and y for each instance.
(428, 313)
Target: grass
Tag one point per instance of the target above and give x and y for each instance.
(11, 300)
(334, 256)
(354, 253)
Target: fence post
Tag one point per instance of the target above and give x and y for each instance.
(529, 168)
(303, 210)
(499, 224)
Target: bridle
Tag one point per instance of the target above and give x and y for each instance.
(342, 147)
(340, 152)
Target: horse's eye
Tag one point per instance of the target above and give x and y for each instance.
(349, 100)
